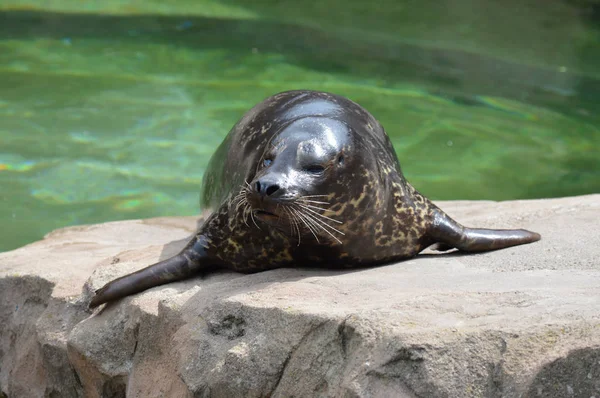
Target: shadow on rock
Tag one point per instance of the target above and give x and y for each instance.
(576, 375)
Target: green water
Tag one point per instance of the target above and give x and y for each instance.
(110, 110)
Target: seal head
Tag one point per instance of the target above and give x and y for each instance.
(294, 172)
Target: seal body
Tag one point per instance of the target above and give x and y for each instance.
(309, 179)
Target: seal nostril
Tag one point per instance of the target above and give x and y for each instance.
(272, 189)
(265, 188)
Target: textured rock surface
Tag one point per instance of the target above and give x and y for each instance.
(523, 321)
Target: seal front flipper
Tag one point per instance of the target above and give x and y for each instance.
(450, 234)
(192, 259)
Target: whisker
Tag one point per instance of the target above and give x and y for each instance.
(245, 215)
(312, 201)
(241, 202)
(316, 223)
(314, 229)
(297, 230)
(294, 223)
(319, 214)
(310, 227)
(320, 227)
(322, 224)
(292, 230)
(246, 207)
(314, 207)
(313, 196)
(252, 217)
(238, 196)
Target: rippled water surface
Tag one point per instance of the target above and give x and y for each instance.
(112, 111)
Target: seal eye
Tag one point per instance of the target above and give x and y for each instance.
(315, 169)
(267, 162)
(340, 159)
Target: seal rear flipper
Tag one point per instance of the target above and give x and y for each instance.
(450, 234)
(189, 261)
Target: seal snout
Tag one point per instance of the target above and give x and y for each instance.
(266, 196)
(267, 188)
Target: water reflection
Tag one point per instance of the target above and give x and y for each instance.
(108, 116)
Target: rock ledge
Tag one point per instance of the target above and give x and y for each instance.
(523, 321)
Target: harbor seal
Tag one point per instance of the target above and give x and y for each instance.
(309, 179)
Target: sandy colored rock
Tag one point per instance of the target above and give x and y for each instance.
(518, 322)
